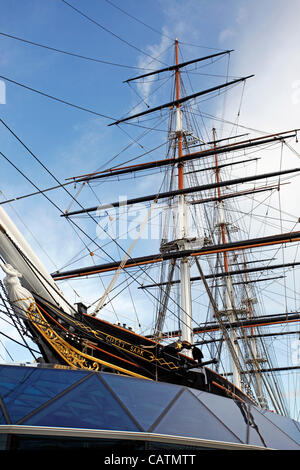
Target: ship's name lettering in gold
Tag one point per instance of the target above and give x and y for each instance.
(127, 346)
(116, 341)
(137, 350)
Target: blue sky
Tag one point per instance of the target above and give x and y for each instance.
(72, 142)
(265, 37)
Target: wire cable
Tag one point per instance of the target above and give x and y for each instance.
(72, 54)
(58, 208)
(156, 31)
(110, 32)
(56, 99)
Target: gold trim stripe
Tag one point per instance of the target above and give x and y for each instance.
(120, 344)
(75, 358)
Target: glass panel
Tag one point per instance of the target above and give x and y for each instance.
(286, 424)
(89, 405)
(273, 437)
(231, 414)
(189, 417)
(228, 411)
(23, 389)
(146, 400)
(297, 424)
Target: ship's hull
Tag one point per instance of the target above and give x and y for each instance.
(88, 342)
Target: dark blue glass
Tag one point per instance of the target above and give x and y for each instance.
(189, 417)
(231, 414)
(234, 417)
(297, 424)
(23, 389)
(286, 424)
(272, 435)
(89, 405)
(145, 399)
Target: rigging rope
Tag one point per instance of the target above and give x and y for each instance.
(72, 54)
(55, 205)
(123, 262)
(110, 32)
(81, 108)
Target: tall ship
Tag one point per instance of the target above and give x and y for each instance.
(193, 254)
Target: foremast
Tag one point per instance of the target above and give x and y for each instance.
(185, 275)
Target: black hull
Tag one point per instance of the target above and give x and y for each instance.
(87, 342)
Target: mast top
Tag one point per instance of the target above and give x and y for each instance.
(181, 100)
(177, 66)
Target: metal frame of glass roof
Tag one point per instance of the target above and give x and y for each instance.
(81, 402)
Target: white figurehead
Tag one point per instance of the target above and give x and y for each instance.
(15, 250)
(20, 298)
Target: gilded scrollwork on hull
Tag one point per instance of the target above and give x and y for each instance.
(119, 343)
(72, 356)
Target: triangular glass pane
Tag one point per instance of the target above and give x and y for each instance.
(231, 414)
(297, 424)
(286, 424)
(272, 435)
(23, 389)
(88, 405)
(145, 399)
(189, 417)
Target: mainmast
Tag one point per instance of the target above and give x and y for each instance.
(185, 285)
(228, 291)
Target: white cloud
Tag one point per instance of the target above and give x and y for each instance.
(241, 14)
(157, 51)
(226, 35)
